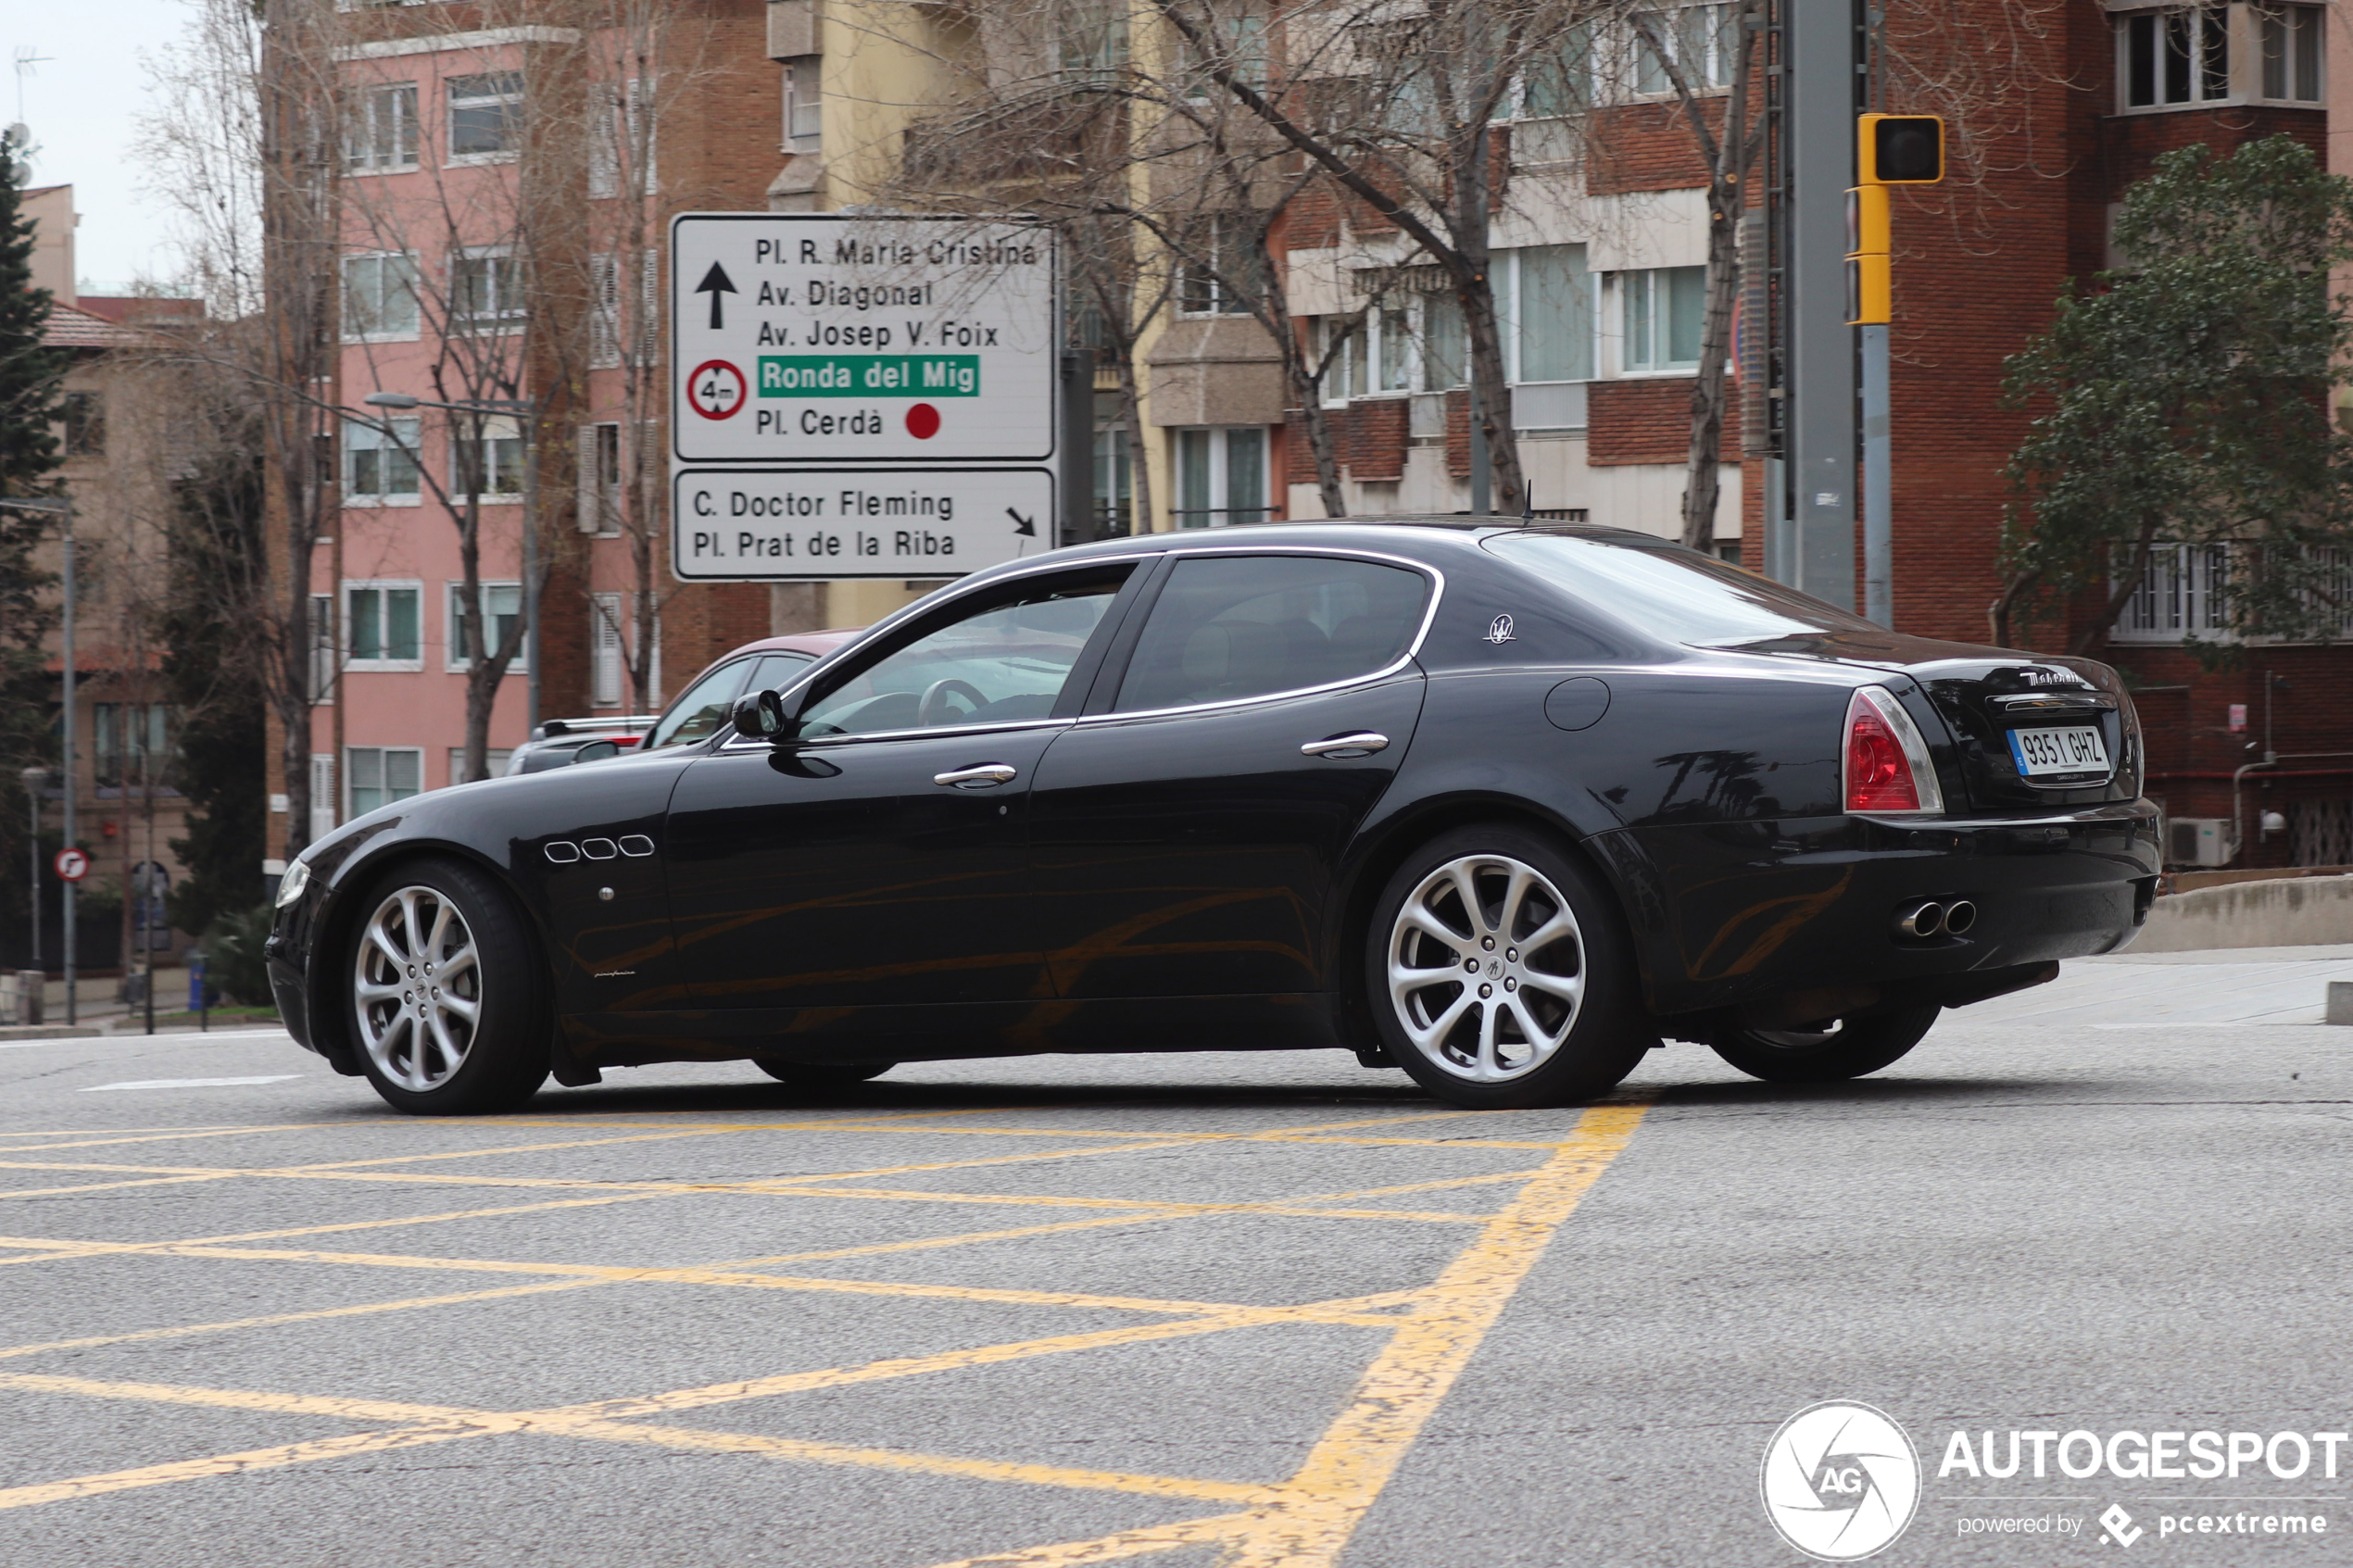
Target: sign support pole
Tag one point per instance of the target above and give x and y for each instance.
(1820, 106)
(1879, 483)
(1077, 439)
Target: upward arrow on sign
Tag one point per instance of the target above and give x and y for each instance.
(715, 284)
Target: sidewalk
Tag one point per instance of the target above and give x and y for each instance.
(98, 1009)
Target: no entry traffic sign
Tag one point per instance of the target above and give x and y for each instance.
(876, 340)
(72, 865)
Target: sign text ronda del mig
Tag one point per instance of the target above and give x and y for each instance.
(859, 396)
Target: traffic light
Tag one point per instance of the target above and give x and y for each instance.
(1889, 149)
(1899, 149)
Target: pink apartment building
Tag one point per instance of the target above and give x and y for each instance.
(503, 196)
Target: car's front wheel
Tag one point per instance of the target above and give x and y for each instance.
(448, 1001)
(1500, 976)
(1846, 1049)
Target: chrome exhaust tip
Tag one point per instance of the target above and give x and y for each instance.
(1921, 920)
(1959, 915)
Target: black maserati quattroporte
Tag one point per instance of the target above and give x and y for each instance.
(1503, 805)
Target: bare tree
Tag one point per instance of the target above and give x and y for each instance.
(1729, 137)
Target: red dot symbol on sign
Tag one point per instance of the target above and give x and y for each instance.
(72, 865)
(922, 421)
(716, 389)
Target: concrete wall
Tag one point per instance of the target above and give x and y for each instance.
(2293, 912)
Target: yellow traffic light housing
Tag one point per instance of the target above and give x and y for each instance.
(1870, 290)
(1899, 149)
(1866, 226)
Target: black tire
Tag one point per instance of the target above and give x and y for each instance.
(1562, 1019)
(1849, 1049)
(829, 1075)
(423, 924)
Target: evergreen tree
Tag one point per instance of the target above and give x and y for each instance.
(2188, 400)
(29, 374)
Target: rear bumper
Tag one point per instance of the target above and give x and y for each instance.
(1734, 913)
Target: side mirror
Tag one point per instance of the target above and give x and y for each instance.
(761, 716)
(595, 751)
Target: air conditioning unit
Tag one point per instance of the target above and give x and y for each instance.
(2199, 841)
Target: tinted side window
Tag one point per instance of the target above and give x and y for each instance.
(1002, 661)
(699, 714)
(776, 669)
(1227, 627)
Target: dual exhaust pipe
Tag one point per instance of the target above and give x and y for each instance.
(1935, 916)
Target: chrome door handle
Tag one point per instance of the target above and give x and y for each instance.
(987, 775)
(1364, 743)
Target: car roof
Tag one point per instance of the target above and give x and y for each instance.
(1414, 535)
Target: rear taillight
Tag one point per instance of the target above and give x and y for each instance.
(1887, 762)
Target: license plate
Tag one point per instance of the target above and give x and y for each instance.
(2059, 754)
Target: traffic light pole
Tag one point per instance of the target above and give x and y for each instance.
(1879, 485)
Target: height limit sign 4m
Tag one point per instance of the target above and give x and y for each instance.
(809, 338)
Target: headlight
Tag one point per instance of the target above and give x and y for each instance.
(290, 886)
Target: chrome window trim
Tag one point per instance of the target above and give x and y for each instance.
(1412, 649)
(737, 746)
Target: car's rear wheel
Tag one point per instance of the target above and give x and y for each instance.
(1499, 974)
(1848, 1047)
(828, 1075)
(448, 1000)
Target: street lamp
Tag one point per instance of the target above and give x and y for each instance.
(63, 509)
(35, 781)
(529, 414)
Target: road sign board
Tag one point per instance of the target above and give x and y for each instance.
(810, 525)
(875, 339)
(72, 865)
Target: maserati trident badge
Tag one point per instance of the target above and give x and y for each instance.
(1499, 631)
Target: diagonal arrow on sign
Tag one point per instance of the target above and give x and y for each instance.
(1022, 524)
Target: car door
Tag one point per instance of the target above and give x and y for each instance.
(880, 855)
(1185, 832)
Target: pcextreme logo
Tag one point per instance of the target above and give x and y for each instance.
(1841, 1481)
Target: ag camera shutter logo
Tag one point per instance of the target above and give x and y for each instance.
(1841, 1481)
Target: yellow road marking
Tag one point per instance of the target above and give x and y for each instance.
(276, 1319)
(1345, 1471)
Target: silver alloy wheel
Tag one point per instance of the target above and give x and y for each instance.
(417, 988)
(1486, 968)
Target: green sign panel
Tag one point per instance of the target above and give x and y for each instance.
(869, 375)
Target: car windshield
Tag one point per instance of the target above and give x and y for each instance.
(1680, 594)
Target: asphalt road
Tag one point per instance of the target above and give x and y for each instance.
(1184, 1310)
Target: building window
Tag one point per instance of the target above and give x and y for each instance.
(2181, 597)
(131, 744)
(804, 104)
(380, 463)
(501, 608)
(380, 775)
(486, 291)
(1701, 39)
(604, 650)
(1114, 485)
(379, 297)
(599, 457)
(494, 759)
(2175, 57)
(382, 133)
(485, 117)
(1220, 257)
(486, 459)
(1553, 301)
(85, 421)
(1221, 476)
(1664, 308)
(322, 647)
(2292, 45)
(380, 621)
(620, 148)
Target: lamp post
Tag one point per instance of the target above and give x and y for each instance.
(35, 781)
(63, 509)
(528, 414)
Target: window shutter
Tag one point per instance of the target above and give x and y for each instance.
(648, 306)
(604, 649)
(604, 310)
(322, 796)
(604, 149)
(591, 494)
